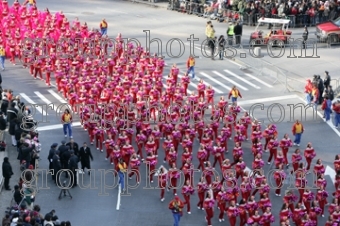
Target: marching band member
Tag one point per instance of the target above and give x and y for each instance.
(208, 205)
(309, 154)
(321, 197)
(255, 219)
(246, 121)
(202, 188)
(232, 212)
(134, 166)
(279, 176)
(285, 144)
(308, 197)
(221, 203)
(272, 145)
(296, 158)
(173, 175)
(319, 168)
(267, 217)
(151, 161)
(187, 191)
(162, 179)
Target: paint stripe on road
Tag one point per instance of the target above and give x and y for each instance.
(57, 126)
(269, 99)
(30, 101)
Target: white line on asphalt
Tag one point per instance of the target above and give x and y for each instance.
(242, 79)
(258, 80)
(329, 123)
(233, 62)
(29, 100)
(216, 81)
(217, 90)
(118, 198)
(330, 172)
(229, 80)
(269, 99)
(57, 96)
(57, 126)
(42, 98)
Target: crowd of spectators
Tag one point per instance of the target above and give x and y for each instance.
(24, 137)
(301, 13)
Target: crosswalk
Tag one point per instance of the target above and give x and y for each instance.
(44, 103)
(223, 80)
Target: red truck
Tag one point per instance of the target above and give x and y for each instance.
(328, 31)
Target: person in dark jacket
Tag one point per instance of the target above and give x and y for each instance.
(64, 158)
(3, 125)
(4, 104)
(321, 89)
(7, 172)
(238, 33)
(26, 153)
(51, 154)
(17, 196)
(13, 126)
(327, 80)
(304, 38)
(73, 147)
(212, 45)
(62, 148)
(85, 156)
(12, 112)
(56, 168)
(73, 166)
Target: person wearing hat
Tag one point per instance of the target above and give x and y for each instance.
(73, 147)
(176, 206)
(3, 125)
(73, 166)
(51, 154)
(7, 172)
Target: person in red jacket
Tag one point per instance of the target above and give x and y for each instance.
(176, 205)
(103, 27)
(66, 120)
(234, 94)
(191, 66)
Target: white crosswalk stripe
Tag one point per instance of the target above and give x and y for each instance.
(230, 80)
(33, 103)
(258, 80)
(59, 98)
(242, 79)
(216, 81)
(207, 84)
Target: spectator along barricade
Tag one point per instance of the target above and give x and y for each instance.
(300, 14)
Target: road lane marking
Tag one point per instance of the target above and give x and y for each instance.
(57, 96)
(258, 80)
(230, 80)
(242, 79)
(30, 101)
(216, 81)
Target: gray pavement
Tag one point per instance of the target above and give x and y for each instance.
(88, 206)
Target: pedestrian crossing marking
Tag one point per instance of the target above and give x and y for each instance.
(207, 84)
(57, 96)
(30, 101)
(216, 81)
(258, 80)
(242, 79)
(42, 97)
(229, 80)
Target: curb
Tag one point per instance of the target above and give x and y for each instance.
(153, 4)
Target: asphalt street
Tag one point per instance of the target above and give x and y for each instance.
(97, 203)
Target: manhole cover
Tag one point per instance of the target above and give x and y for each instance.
(87, 13)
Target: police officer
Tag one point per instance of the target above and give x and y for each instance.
(230, 34)
(56, 168)
(73, 166)
(51, 155)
